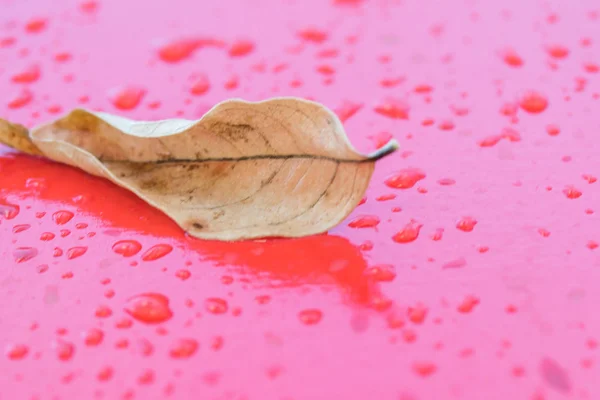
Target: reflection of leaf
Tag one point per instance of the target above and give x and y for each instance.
(282, 167)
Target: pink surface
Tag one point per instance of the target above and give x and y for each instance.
(474, 277)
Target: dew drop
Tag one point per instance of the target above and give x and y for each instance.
(409, 233)
(405, 178)
(310, 316)
(466, 224)
(183, 274)
(157, 251)
(558, 51)
(16, 351)
(589, 178)
(215, 305)
(512, 58)
(146, 378)
(313, 35)
(241, 48)
(64, 350)
(62, 217)
(393, 108)
(20, 99)
(36, 25)
(29, 74)
(75, 252)
(126, 97)
(200, 86)
(103, 311)
(93, 337)
(381, 272)
(184, 348)
(468, 304)
(20, 228)
(424, 368)
(347, 109)
(552, 130)
(127, 248)
(105, 374)
(364, 221)
(592, 245)
(151, 308)
(417, 313)
(23, 254)
(572, 192)
(533, 102)
(8, 210)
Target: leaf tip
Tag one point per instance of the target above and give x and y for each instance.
(384, 150)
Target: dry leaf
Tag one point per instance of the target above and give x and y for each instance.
(280, 167)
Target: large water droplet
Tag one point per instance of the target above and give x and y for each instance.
(75, 252)
(151, 308)
(157, 251)
(62, 217)
(16, 351)
(127, 248)
(405, 178)
(409, 233)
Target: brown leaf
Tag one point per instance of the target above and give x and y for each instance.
(280, 167)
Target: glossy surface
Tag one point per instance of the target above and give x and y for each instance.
(470, 271)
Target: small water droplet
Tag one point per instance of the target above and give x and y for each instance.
(381, 272)
(386, 197)
(533, 102)
(310, 316)
(544, 232)
(8, 210)
(466, 224)
(241, 48)
(557, 51)
(405, 178)
(36, 25)
(75, 252)
(183, 274)
(313, 35)
(151, 308)
(29, 74)
(589, 178)
(347, 109)
(184, 348)
(409, 233)
(16, 351)
(62, 217)
(424, 368)
(157, 251)
(364, 221)
(552, 130)
(592, 245)
(263, 299)
(127, 248)
(126, 97)
(64, 350)
(512, 58)
(93, 337)
(103, 311)
(20, 99)
(20, 228)
(446, 181)
(200, 86)
(572, 192)
(105, 374)
(216, 305)
(146, 378)
(23, 254)
(468, 304)
(417, 313)
(393, 108)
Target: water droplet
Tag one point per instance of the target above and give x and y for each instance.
(409, 335)
(364, 221)
(313, 35)
(20, 228)
(57, 252)
(126, 97)
(67, 275)
(558, 51)
(552, 130)
(181, 49)
(157, 251)
(217, 343)
(241, 48)
(16, 351)
(571, 192)
(347, 109)
(62, 217)
(386, 197)
(417, 313)
(20, 99)
(409, 233)
(589, 178)
(544, 232)
(446, 181)
(93, 337)
(555, 376)
(151, 308)
(75, 252)
(105, 374)
(263, 299)
(29, 74)
(393, 108)
(424, 368)
(200, 86)
(36, 25)
(184, 348)
(592, 245)
(466, 224)
(127, 248)
(468, 304)
(183, 274)
(146, 378)
(381, 272)
(533, 102)
(310, 316)
(216, 305)
(64, 350)
(405, 178)
(512, 58)
(103, 311)
(391, 82)
(8, 210)
(23, 254)
(124, 323)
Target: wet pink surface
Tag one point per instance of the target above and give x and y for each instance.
(471, 271)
